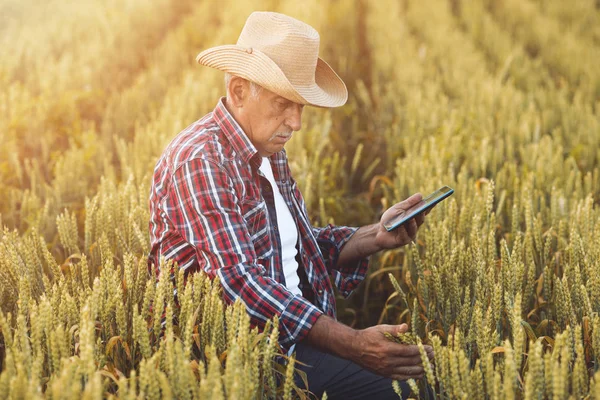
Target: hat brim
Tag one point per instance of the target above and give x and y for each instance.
(327, 91)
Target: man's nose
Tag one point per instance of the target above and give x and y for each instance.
(294, 119)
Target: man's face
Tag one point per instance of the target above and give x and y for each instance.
(269, 121)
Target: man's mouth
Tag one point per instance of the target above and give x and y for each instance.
(284, 136)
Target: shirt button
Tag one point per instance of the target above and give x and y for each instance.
(320, 291)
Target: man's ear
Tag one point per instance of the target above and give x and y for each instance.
(238, 91)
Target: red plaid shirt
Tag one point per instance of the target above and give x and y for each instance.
(212, 209)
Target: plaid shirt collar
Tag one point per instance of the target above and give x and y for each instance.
(236, 135)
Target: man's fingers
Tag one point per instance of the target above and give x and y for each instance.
(403, 350)
(402, 236)
(393, 329)
(411, 201)
(411, 229)
(420, 219)
(412, 361)
(411, 371)
(429, 351)
(414, 199)
(407, 233)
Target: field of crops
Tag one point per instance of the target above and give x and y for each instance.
(499, 99)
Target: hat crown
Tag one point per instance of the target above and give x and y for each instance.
(291, 44)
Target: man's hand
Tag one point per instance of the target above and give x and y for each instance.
(373, 238)
(404, 234)
(373, 351)
(369, 348)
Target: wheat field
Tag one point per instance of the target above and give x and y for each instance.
(499, 99)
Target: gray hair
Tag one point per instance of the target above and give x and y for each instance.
(255, 89)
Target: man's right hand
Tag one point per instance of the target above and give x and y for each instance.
(369, 348)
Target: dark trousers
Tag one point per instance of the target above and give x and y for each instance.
(342, 379)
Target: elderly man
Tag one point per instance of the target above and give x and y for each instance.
(224, 201)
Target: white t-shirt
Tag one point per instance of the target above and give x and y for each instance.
(288, 232)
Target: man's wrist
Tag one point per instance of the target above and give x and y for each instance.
(371, 245)
(367, 240)
(361, 245)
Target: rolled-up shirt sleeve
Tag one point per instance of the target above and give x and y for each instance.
(348, 276)
(202, 205)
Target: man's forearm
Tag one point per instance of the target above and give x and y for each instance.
(361, 244)
(331, 336)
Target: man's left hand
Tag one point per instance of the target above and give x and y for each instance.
(404, 234)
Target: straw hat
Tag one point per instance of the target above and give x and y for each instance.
(280, 54)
